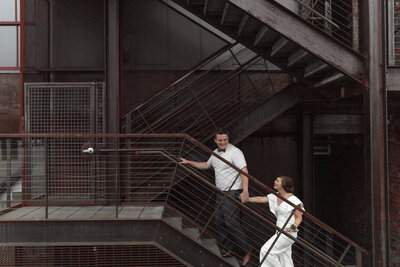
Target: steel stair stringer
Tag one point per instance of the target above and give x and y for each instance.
(270, 109)
(283, 38)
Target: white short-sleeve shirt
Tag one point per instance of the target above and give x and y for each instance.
(224, 174)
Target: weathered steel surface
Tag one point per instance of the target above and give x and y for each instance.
(79, 232)
(293, 28)
(375, 136)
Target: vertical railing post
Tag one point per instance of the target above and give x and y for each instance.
(358, 257)
(116, 176)
(328, 15)
(175, 169)
(8, 151)
(356, 19)
(46, 167)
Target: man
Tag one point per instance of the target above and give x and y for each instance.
(228, 180)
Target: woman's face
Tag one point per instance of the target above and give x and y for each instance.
(278, 184)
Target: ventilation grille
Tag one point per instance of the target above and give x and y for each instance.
(103, 255)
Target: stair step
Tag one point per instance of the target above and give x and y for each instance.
(152, 212)
(212, 245)
(175, 221)
(192, 232)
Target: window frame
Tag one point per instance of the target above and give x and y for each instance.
(17, 24)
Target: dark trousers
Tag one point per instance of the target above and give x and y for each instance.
(227, 219)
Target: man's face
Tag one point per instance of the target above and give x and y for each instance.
(222, 141)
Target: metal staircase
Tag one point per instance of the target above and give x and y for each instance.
(232, 88)
(179, 222)
(319, 54)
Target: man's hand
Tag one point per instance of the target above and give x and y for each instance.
(244, 196)
(184, 161)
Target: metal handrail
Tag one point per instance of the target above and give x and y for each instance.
(188, 139)
(271, 191)
(201, 90)
(195, 68)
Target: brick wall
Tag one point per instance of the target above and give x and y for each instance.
(394, 183)
(340, 191)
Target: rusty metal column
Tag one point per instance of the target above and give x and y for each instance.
(307, 163)
(375, 134)
(112, 86)
(112, 66)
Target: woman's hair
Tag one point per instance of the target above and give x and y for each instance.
(287, 183)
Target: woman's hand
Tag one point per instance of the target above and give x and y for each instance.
(291, 229)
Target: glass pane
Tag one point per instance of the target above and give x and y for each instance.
(19, 46)
(8, 44)
(18, 10)
(7, 10)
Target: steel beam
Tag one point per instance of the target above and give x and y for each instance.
(242, 24)
(135, 232)
(269, 110)
(376, 135)
(112, 66)
(48, 231)
(292, 27)
(112, 93)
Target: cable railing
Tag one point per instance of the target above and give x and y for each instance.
(338, 18)
(224, 90)
(46, 172)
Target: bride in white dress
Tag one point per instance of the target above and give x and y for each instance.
(281, 252)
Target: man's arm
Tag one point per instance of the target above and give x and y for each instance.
(244, 196)
(197, 164)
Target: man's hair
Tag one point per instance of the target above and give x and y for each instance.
(221, 130)
(287, 183)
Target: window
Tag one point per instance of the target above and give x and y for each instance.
(9, 35)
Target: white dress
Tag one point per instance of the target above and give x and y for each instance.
(281, 253)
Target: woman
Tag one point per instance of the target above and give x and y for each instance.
(281, 252)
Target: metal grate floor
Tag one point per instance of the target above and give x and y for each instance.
(84, 212)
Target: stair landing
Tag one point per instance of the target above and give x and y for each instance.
(83, 212)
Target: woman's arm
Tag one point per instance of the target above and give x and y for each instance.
(258, 199)
(298, 215)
